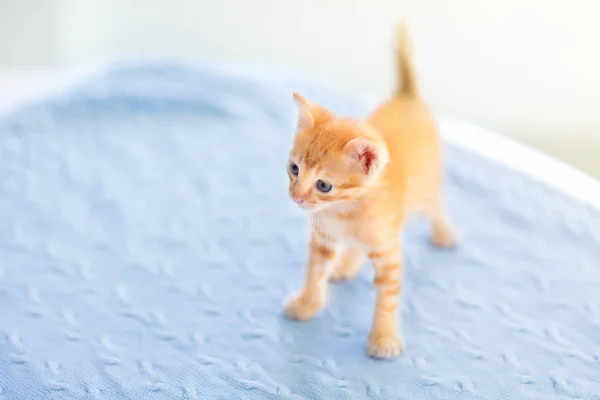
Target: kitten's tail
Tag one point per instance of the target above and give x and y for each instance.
(406, 69)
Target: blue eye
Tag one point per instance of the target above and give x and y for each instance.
(294, 169)
(323, 186)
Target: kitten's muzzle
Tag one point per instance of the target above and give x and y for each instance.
(298, 199)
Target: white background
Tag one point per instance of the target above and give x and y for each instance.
(529, 69)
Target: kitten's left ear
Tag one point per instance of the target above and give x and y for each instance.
(366, 154)
(306, 112)
(310, 113)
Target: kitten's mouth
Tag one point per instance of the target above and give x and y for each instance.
(311, 207)
(306, 206)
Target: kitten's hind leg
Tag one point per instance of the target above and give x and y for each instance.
(348, 266)
(442, 234)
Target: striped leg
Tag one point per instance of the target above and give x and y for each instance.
(312, 297)
(384, 339)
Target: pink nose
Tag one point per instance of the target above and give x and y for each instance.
(298, 200)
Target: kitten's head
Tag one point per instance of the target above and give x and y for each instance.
(333, 159)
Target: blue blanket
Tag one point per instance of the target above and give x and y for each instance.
(147, 243)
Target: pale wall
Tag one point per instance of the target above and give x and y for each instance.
(528, 68)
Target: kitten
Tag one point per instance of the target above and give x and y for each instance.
(360, 181)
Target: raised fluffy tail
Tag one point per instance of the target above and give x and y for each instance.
(406, 69)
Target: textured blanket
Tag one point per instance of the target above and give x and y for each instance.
(147, 243)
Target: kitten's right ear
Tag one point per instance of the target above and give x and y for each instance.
(306, 117)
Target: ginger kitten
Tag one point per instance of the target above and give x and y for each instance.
(360, 181)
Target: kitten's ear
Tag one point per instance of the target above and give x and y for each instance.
(306, 112)
(366, 154)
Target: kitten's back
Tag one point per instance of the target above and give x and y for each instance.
(409, 131)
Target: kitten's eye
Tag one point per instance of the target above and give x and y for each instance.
(294, 169)
(323, 186)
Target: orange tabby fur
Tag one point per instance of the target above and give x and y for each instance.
(382, 170)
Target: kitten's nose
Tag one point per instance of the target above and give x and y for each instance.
(297, 199)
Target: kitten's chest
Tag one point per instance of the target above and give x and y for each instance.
(349, 233)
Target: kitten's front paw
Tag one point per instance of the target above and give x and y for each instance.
(384, 345)
(302, 307)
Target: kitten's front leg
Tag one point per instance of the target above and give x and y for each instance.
(312, 298)
(384, 338)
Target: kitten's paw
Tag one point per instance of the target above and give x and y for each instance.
(340, 275)
(384, 345)
(443, 236)
(303, 308)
